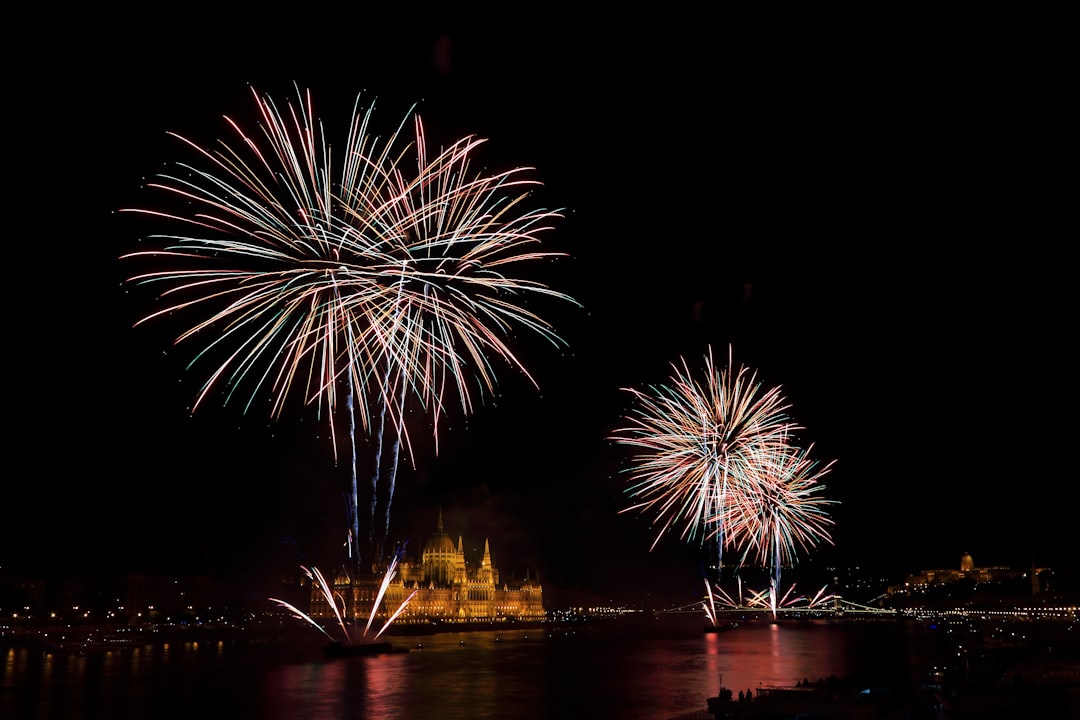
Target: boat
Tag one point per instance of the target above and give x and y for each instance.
(339, 649)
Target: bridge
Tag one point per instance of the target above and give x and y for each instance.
(832, 606)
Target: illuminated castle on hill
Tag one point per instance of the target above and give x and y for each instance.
(447, 589)
(968, 572)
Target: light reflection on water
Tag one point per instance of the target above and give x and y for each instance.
(648, 672)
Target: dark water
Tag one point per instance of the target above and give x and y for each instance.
(646, 670)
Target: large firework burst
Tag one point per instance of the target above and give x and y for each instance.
(306, 272)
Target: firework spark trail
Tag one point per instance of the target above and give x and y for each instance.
(310, 268)
(303, 616)
(388, 576)
(786, 597)
(726, 597)
(317, 577)
(709, 603)
(332, 600)
(391, 571)
(396, 613)
(758, 598)
(820, 597)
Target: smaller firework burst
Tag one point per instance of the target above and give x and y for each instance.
(337, 603)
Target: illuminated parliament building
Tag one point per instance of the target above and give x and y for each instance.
(448, 589)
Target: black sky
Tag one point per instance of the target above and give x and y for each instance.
(874, 219)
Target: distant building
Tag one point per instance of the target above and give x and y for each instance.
(447, 587)
(926, 579)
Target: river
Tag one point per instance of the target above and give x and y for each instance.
(647, 669)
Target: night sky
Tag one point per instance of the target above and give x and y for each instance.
(874, 221)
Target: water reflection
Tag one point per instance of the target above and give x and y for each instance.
(633, 673)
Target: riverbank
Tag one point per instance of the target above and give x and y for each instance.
(990, 671)
(1054, 695)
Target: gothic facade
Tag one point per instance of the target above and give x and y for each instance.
(444, 588)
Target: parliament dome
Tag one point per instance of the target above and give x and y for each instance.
(440, 542)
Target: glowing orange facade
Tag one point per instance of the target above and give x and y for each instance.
(447, 589)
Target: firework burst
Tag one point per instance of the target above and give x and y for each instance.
(698, 442)
(715, 460)
(769, 599)
(367, 276)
